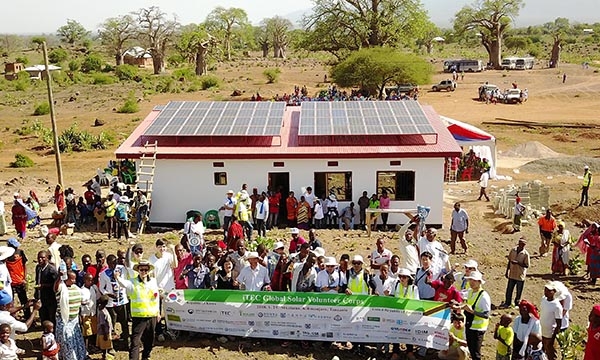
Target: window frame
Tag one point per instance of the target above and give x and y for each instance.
(406, 195)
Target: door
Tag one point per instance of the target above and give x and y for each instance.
(281, 182)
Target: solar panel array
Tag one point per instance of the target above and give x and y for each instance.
(363, 118)
(194, 118)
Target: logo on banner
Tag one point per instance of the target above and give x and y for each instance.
(337, 318)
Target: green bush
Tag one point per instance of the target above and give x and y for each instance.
(184, 74)
(91, 63)
(209, 81)
(74, 65)
(167, 85)
(272, 75)
(73, 139)
(58, 55)
(42, 109)
(175, 60)
(130, 106)
(103, 79)
(126, 72)
(22, 161)
(22, 59)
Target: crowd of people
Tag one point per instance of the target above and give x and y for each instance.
(79, 305)
(300, 95)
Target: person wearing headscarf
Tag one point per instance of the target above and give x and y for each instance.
(592, 347)
(59, 198)
(560, 253)
(19, 216)
(589, 245)
(528, 322)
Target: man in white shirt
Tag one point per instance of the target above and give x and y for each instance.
(304, 275)
(329, 280)
(254, 277)
(53, 247)
(551, 314)
(459, 225)
(440, 261)
(262, 214)
(409, 258)
(6, 304)
(239, 258)
(382, 284)
(164, 263)
(227, 208)
(310, 197)
(117, 296)
(483, 182)
(380, 256)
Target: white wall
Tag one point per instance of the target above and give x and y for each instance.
(181, 185)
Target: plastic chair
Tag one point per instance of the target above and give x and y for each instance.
(211, 219)
(128, 178)
(467, 173)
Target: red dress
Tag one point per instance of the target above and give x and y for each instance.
(592, 348)
(19, 218)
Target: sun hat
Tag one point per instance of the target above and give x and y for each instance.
(252, 255)
(229, 192)
(13, 242)
(6, 252)
(5, 298)
(585, 167)
(319, 251)
(110, 193)
(358, 258)
(477, 276)
(143, 263)
(523, 240)
(278, 245)
(404, 272)
(471, 264)
(560, 223)
(332, 197)
(124, 199)
(330, 261)
(294, 231)
(551, 285)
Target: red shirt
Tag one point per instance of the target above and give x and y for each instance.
(89, 197)
(274, 203)
(593, 344)
(445, 295)
(181, 264)
(295, 244)
(92, 270)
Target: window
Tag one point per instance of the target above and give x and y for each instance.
(337, 183)
(218, 164)
(396, 163)
(332, 163)
(400, 185)
(220, 178)
(278, 164)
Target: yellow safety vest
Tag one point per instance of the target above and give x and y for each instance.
(405, 292)
(144, 298)
(587, 179)
(111, 207)
(358, 285)
(479, 323)
(459, 334)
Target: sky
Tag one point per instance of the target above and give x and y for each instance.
(42, 16)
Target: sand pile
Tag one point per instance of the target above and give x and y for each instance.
(532, 150)
(562, 165)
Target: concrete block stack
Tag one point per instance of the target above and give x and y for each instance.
(535, 196)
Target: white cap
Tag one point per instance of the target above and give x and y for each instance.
(358, 258)
(319, 251)
(252, 255)
(585, 167)
(278, 245)
(330, 261)
(476, 275)
(404, 272)
(294, 231)
(471, 264)
(124, 199)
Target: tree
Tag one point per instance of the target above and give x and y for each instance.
(37, 41)
(72, 32)
(194, 44)
(115, 32)
(428, 34)
(559, 29)
(262, 39)
(490, 19)
(339, 26)
(157, 32)
(10, 43)
(517, 43)
(374, 68)
(276, 30)
(223, 24)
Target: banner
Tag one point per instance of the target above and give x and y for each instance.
(310, 316)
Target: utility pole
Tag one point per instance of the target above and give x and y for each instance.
(53, 118)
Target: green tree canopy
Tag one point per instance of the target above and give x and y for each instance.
(517, 43)
(490, 19)
(339, 26)
(157, 32)
(224, 24)
(374, 68)
(194, 44)
(72, 32)
(115, 32)
(560, 29)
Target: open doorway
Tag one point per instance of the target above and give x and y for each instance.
(280, 181)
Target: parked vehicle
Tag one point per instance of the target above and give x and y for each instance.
(448, 85)
(512, 96)
(509, 63)
(486, 90)
(525, 63)
(466, 65)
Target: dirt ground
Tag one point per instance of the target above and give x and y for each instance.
(549, 101)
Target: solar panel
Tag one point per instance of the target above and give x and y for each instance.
(197, 118)
(363, 118)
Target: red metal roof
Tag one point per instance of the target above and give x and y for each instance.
(287, 146)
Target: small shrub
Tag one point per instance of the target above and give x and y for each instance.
(272, 75)
(103, 79)
(74, 65)
(42, 109)
(22, 59)
(22, 161)
(130, 106)
(108, 68)
(58, 55)
(209, 81)
(126, 72)
(184, 74)
(175, 60)
(91, 63)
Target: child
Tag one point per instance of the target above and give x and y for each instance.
(103, 337)
(457, 348)
(89, 322)
(50, 347)
(505, 335)
(8, 348)
(535, 350)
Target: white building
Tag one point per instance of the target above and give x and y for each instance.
(207, 148)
